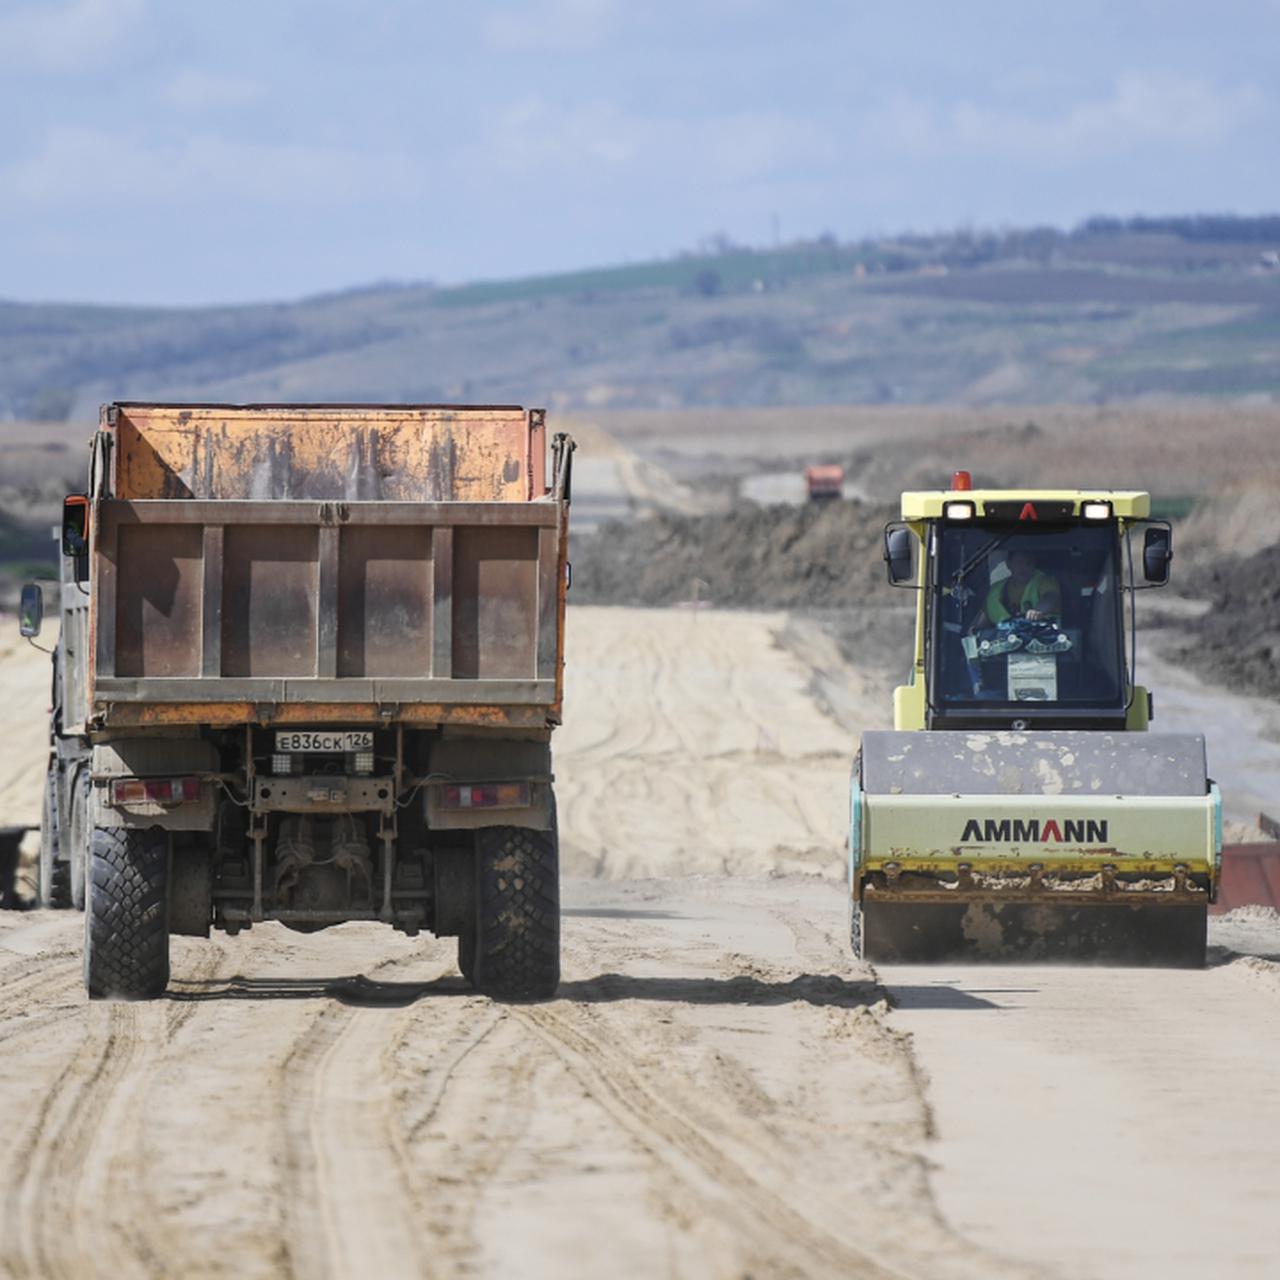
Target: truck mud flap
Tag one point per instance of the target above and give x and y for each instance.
(899, 932)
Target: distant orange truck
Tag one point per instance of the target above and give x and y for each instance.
(824, 481)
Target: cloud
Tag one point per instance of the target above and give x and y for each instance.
(551, 24)
(194, 90)
(66, 37)
(197, 169)
(1142, 110)
(533, 136)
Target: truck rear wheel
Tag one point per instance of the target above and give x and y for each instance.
(126, 937)
(516, 949)
(55, 875)
(78, 834)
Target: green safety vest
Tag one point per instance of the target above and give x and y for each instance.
(1039, 584)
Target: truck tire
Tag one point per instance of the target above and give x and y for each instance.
(55, 875)
(78, 834)
(126, 933)
(516, 952)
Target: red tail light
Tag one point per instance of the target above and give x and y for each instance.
(155, 790)
(486, 795)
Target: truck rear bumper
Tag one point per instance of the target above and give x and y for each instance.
(225, 715)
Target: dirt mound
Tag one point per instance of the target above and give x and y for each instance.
(1237, 642)
(816, 555)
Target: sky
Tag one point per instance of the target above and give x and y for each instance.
(189, 152)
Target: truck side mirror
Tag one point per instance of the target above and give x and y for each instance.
(31, 610)
(1157, 552)
(898, 541)
(75, 525)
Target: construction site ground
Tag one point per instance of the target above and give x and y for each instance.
(719, 1090)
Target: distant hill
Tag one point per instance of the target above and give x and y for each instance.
(1115, 310)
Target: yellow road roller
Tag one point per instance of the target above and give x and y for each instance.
(1021, 807)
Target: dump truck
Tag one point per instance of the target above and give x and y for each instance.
(309, 664)
(1022, 806)
(824, 482)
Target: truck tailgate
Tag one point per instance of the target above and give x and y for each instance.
(294, 611)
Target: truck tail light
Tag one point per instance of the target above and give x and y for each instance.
(486, 795)
(155, 790)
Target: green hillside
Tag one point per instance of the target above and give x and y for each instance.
(1113, 310)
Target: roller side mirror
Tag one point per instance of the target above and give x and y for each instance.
(898, 540)
(1157, 553)
(31, 611)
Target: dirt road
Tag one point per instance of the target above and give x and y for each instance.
(719, 1090)
(697, 1103)
(24, 733)
(24, 725)
(1120, 1122)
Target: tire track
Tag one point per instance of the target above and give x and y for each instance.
(453, 1142)
(338, 1127)
(46, 1205)
(680, 1142)
(346, 1163)
(32, 977)
(59, 999)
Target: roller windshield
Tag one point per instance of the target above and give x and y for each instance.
(1027, 615)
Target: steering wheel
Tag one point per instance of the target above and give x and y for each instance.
(1034, 635)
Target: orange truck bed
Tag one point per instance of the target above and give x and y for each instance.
(304, 564)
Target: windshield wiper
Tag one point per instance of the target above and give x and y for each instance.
(981, 554)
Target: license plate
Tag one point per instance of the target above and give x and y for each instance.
(310, 740)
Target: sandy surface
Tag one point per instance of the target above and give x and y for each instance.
(1242, 734)
(1122, 1122)
(693, 744)
(717, 1092)
(720, 1090)
(24, 737)
(611, 482)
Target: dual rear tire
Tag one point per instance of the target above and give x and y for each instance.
(510, 950)
(126, 923)
(64, 840)
(54, 872)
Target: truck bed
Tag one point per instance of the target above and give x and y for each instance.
(405, 453)
(225, 609)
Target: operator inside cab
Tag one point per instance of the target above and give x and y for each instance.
(1027, 615)
(1024, 592)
